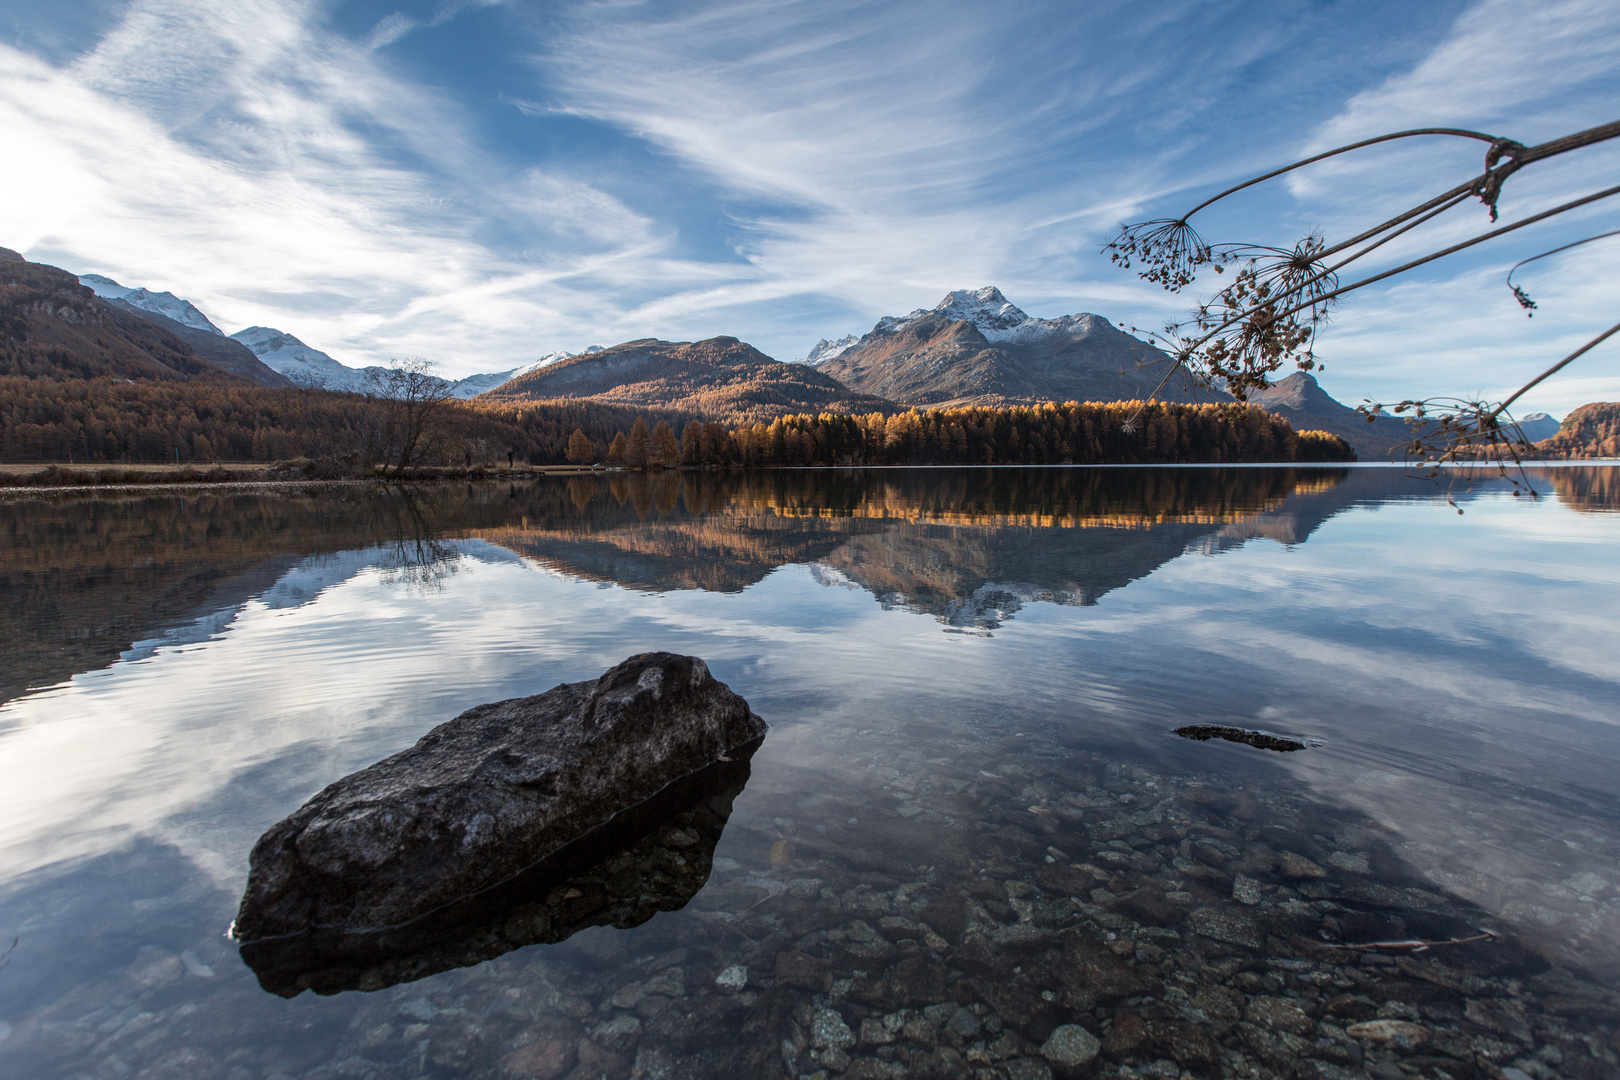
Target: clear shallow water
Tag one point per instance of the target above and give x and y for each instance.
(968, 826)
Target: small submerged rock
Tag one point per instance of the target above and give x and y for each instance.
(1070, 1046)
(1400, 1032)
(1263, 740)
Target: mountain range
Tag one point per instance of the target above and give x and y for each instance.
(53, 327)
(974, 347)
(719, 377)
(1537, 426)
(291, 362)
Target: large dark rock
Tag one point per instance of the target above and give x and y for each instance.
(487, 796)
(652, 857)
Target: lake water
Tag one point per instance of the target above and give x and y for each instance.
(970, 826)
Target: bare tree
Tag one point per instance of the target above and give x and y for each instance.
(414, 402)
(1278, 298)
(419, 558)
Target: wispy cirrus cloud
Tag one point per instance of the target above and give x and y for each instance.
(397, 24)
(274, 172)
(873, 156)
(482, 184)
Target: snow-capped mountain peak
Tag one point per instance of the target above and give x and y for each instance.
(473, 385)
(262, 339)
(162, 303)
(104, 287)
(996, 317)
(985, 308)
(1538, 425)
(305, 366)
(825, 350)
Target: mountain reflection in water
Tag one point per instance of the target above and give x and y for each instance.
(970, 550)
(86, 575)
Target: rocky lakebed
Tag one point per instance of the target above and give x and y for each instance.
(1014, 909)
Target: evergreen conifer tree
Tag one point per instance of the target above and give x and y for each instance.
(635, 454)
(581, 451)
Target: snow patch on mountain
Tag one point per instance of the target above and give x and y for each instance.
(473, 385)
(281, 352)
(305, 366)
(162, 303)
(310, 367)
(826, 350)
(104, 287)
(1538, 425)
(996, 317)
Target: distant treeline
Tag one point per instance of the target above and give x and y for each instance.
(112, 420)
(147, 420)
(1124, 432)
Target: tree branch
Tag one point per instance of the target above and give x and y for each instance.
(1458, 132)
(1453, 249)
(1610, 332)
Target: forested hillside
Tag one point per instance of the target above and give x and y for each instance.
(1050, 434)
(107, 420)
(51, 327)
(1591, 431)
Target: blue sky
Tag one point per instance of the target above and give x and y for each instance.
(481, 183)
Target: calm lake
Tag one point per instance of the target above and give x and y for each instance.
(971, 844)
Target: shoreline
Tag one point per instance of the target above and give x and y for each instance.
(40, 478)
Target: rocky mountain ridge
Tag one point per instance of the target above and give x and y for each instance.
(1303, 402)
(825, 350)
(975, 347)
(53, 327)
(166, 304)
(720, 377)
(289, 360)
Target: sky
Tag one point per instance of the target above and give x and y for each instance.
(480, 182)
